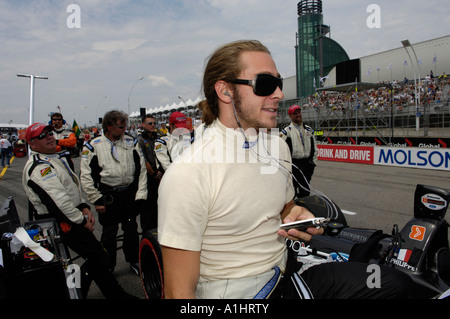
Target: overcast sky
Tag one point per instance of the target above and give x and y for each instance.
(92, 63)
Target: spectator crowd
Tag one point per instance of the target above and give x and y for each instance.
(431, 90)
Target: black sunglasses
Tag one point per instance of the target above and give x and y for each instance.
(150, 123)
(263, 84)
(44, 135)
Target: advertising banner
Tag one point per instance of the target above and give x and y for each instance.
(411, 157)
(349, 154)
(431, 142)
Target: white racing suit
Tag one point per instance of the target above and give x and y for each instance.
(66, 141)
(55, 192)
(303, 146)
(169, 146)
(49, 182)
(115, 165)
(113, 174)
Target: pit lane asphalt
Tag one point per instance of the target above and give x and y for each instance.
(380, 197)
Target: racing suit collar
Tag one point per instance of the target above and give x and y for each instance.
(53, 155)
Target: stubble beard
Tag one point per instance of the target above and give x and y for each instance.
(247, 119)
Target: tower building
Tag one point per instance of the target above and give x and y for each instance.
(316, 52)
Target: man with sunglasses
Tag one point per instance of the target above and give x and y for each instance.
(220, 236)
(54, 191)
(147, 138)
(114, 177)
(303, 146)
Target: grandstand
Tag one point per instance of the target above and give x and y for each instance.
(376, 96)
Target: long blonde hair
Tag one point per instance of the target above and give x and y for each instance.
(224, 64)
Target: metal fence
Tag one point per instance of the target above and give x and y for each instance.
(356, 119)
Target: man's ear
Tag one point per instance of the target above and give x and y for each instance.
(223, 92)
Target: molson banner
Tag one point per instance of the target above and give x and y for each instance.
(412, 157)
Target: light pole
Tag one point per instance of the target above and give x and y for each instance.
(406, 44)
(32, 78)
(185, 104)
(129, 95)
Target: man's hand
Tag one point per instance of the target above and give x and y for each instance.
(299, 213)
(90, 219)
(100, 209)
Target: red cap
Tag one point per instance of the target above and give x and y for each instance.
(293, 108)
(35, 130)
(178, 119)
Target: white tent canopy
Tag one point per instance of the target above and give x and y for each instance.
(12, 125)
(168, 108)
